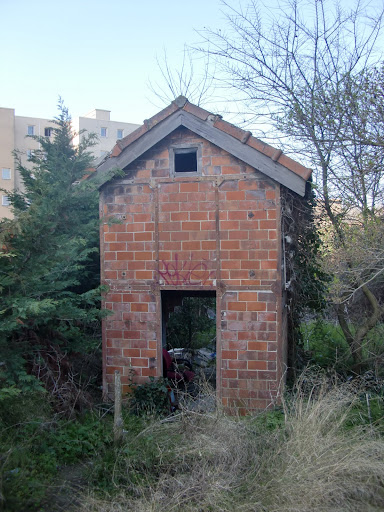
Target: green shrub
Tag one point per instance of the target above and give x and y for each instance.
(35, 447)
(325, 345)
(151, 398)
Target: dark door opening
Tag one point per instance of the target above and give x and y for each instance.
(189, 330)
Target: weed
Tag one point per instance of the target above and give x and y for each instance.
(151, 398)
(212, 463)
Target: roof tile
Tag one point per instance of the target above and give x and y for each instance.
(295, 167)
(196, 111)
(264, 148)
(229, 128)
(123, 143)
(160, 116)
(116, 150)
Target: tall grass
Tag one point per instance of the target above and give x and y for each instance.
(211, 462)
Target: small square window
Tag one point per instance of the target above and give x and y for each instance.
(48, 132)
(120, 134)
(103, 132)
(5, 201)
(31, 130)
(186, 161)
(6, 174)
(103, 153)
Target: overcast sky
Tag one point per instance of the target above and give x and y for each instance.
(95, 53)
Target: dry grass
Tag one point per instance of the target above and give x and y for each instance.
(226, 464)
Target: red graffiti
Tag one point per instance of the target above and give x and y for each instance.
(185, 272)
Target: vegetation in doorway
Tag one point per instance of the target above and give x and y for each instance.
(192, 325)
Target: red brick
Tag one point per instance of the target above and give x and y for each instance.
(149, 353)
(124, 237)
(125, 255)
(209, 245)
(236, 306)
(142, 255)
(257, 345)
(195, 245)
(131, 352)
(230, 244)
(230, 169)
(236, 196)
(144, 274)
(237, 365)
(169, 188)
(206, 205)
(139, 307)
(189, 187)
(229, 354)
(115, 297)
(139, 361)
(267, 224)
(229, 374)
(114, 334)
(238, 235)
(187, 226)
(131, 335)
(148, 372)
(257, 365)
(248, 296)
(198, 215)
(226, 225)
(170, 226)
(179, 216)
(268, 265)
(272, 234)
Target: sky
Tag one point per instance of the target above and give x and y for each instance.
(96, 54)
(93, 54)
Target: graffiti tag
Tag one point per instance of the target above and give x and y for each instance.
(185, 272)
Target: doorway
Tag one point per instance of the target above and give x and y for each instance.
(189, 331)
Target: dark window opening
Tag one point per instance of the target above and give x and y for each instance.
(186, 161)
(48, 132)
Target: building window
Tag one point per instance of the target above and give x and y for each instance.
(48, 132)
(120, 134)
(31, 130)
(6, 174)
(185, 159)
(103, 153)
(103, 132)
(29, 153)
(5, 201)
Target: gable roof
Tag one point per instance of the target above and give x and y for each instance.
(241, 144)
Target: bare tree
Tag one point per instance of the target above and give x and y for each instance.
(311, 71)
(185, 80)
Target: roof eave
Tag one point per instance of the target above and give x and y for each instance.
(206, 129)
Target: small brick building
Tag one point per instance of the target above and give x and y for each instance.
(196, 211)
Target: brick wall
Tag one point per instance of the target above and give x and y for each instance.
(215, 231)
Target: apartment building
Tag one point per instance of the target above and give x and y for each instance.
(14, 131)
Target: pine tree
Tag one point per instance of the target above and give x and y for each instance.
(49, 260)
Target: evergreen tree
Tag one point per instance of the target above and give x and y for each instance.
(49, 260)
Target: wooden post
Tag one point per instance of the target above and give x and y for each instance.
(118, 419)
